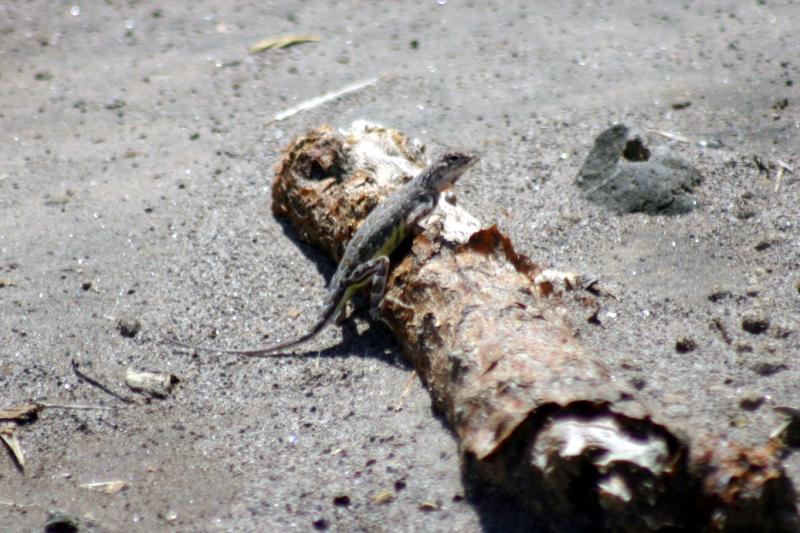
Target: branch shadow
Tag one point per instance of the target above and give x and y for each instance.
(321, 260)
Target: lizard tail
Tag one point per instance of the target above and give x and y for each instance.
(267, 351)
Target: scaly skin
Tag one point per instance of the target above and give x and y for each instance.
(366, 257)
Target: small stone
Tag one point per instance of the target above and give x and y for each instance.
(744, 210)
(718, 294)
(752, 290)
(321, 524)
(779, 331)
(628, 363)
(116, 103)
(685, 345)
(429, 506)
(755, 321)
(750, 400)
(743, 347)
(383, 497)
(764, 245)
(782, 223)
(768, 365)
(341, 501)
(638, 382)
(128, 327)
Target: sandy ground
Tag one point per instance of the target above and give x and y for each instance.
(135, 171)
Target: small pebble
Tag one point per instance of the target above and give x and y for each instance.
(341, 501)
(750, 400)
(718, 294)
(768, 365)
(685, 345)
(638, 382)
(128, 327)
(755, 321)
(383, 497)
(429, 506)
(743, 347)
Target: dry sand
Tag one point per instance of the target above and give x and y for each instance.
(135, 170)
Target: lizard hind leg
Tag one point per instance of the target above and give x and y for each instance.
(341, 315)
(375, 272)
(378, 286)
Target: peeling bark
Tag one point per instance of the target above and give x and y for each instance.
(535, 413)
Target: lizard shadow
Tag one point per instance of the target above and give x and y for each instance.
(375, 343)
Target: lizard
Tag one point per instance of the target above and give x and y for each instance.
(366, 256)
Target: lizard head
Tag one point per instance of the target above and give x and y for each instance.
(448, 168)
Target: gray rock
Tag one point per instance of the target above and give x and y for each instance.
(632, 173)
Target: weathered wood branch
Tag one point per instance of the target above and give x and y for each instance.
(536, 414)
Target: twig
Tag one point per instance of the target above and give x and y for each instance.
(9, 438)
(409, 382)
(75, 406)
(672, 136)
(283, 41)
(717, 323)
(13, 504)
(109, 487)
(324, 98)
(92, 381)
(782, 167)
(778, 179)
